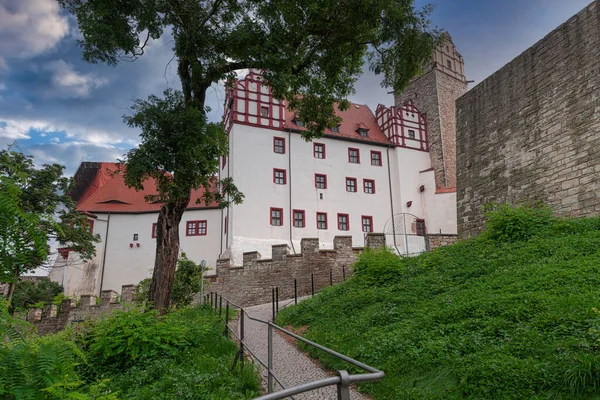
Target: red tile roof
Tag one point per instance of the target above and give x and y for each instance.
(357, 116)
(107, 192)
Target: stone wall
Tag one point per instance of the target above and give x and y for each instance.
(433, 241)
(531, 131)
(251, 283)
(52, 319)
(435, 94)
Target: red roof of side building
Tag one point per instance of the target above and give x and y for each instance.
(357, 116)
(107, 192)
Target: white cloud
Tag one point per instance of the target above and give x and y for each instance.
(30, 27)
(71, 84)
(14, 130)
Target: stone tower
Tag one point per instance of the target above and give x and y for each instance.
(435, 93)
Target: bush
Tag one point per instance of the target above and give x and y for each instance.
(378, 266)
(28, 293)
(508, 223)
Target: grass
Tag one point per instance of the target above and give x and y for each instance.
(508, 315)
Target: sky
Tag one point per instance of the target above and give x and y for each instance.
(62, 110)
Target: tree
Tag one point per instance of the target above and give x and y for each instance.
(34, 208)
(310, 52)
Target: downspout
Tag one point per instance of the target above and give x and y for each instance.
(391, 199)
(104, 255)
(291, 224)
(221, 232)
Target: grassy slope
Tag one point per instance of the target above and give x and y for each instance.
(481, 319)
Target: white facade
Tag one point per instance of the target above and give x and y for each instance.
(384, 157)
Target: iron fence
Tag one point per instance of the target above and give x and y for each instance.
(343, 380)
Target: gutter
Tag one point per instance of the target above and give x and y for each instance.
(104, 254)
(291, 213)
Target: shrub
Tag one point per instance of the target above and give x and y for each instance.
(28, 293)
(508, 223)
(378, 266)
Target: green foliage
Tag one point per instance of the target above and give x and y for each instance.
(29, 292)
(508, 223)
(35, 207)
(130, 355)
(187, 281)
(504, 318)
(378, 267)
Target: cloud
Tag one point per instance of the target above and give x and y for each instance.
(71, 84)
(30, 27)
(14, 130)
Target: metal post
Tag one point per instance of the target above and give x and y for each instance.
(344, 272)
(220, 305)
(202, 264)
(226, 319)
(330, 277)
(270, 359)
(295, 292)
(343, 388)
(273, 302)
(312, 284)
(211, 300)
(242, 336)
(277, 298)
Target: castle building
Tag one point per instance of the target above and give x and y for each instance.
(388, 172)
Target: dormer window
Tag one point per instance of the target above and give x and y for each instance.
(335, 129)
(299, 123)
(363, 132)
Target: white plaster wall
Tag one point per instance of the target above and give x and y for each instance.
(252, 162)
(128, 265)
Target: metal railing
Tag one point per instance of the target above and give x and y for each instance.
(343, 380)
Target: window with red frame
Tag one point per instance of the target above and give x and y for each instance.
(420, 225)
(91, 222)
(299, 219)
(369, 186)
(350, 184)
(279, 145)
(279, 176)
(264, 112)
(321, 220)
(353, 156)
(196, 228)
(320, 181)
(376, 158)
(224, 160)
(154, 230)
(343, 222)
(276, 216)
(319, 150)
(367, 224)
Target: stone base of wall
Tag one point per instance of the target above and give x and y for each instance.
(51, 319)
(252, 283)
(438, 240)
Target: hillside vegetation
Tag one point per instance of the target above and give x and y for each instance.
(130, 355)
(508, 315)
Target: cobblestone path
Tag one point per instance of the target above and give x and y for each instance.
(291, 366)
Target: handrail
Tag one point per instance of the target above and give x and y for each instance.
(342, 381)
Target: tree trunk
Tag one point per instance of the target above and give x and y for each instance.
(167, 252)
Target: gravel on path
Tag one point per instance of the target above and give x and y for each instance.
(291, 366)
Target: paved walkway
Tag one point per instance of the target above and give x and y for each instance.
(291, 366)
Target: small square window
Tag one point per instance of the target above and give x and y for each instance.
(154, 230)
(367, 224)
(343, 222)
(299, 123)
(369, 186)
(320, 181)
(319, 150)
(196, 228)
(351, 184)
(411, 133)
(299, 220)
(277, 216)
(353, 156)
(321, 220)
(279, 176)
(279, 145)
(264, 112)
(135, 237)
(376, 158)
(335, 129)
(363, 132)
